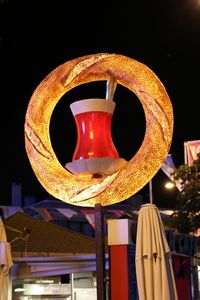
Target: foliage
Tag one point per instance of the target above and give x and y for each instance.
(186, 218)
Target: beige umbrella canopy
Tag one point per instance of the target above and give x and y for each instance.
(155, 277)
(6, 264)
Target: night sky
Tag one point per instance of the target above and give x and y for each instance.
(37, 36)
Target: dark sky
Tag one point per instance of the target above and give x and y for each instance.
(37, 36)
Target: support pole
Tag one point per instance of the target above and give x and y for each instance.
(185, 153)
(72, 286)
(100, 253)
(150, 192)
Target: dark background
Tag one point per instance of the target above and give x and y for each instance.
(37, 36)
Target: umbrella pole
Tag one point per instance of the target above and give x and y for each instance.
(100, 252)
(150, 191)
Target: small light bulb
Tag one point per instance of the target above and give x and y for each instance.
(169, 185)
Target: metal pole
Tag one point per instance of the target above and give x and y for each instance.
(72, 286)
(100, 253)
(150, 192)
(185, 153)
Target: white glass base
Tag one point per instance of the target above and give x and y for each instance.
(104, 166)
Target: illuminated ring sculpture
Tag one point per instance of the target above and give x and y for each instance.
(83, 190)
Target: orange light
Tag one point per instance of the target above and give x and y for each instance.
(169, 185)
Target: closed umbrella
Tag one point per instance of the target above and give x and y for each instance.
(154, 272)
(6, 264)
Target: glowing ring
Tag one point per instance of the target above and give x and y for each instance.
(136, 173)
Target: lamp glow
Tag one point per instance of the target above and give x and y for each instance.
(169, 185)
